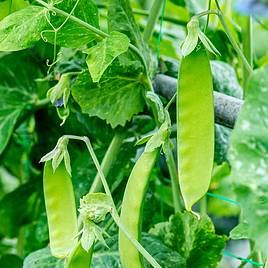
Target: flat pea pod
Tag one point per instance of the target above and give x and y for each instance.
(79, 258)
(60, 209)
(132, 205)
(195, 126)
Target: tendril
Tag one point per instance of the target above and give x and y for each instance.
(42, 35)
(55, 31)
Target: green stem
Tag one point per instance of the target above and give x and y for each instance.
(169, 159)
(207, 22)
(174, 181)
(234, 44)
(203, 206)
(153, 18)
(95, 30)
(229, 35)
(108, 160)
(114, 212)
(39, 104)
(247, 45)
(10, 7)
(146, 13)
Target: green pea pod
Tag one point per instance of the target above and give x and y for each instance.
(79, 258)
(132, 205)
(61, 210)
(195, 123)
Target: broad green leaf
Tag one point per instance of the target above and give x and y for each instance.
(22, 29)
(116, 98)
(195, 240)
(13, 213)
(248, 156)
(121, 19)
(6, 7)
(240, 231)
(73, 34)
(42, 258)
(17, 87)
(165, 256)
(103, 54)
(10, 261)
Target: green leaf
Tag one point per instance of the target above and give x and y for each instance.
(73, 34)
(248, 156)
(240, 231)
(13, 213)
(103, 54)
(116, 98)
(16, 5)
(121, 19)
(17, 90)
(42, 258)
(10, 261)
(195, 240)
(165, 256)
(22, 29)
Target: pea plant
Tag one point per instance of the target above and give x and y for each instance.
(133, 133)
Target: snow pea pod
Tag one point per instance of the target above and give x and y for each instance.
(60, 208)
(132, 205)
(195, 126)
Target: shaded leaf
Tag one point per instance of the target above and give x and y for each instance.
(17, 91)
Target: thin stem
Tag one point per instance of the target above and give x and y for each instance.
(207, 12)
(203, 206)
(99, 33)
(169, 159)
(234, 44)
(10, 7)
(161, 30)
(247, 45)
(229, 35)
(153, 18)
(41, 103)
(139, 247)
(108, 160)
(236, 47)
(146, 13)
(207, 22)
(171, 101)
(174, 181)
(114, 212)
